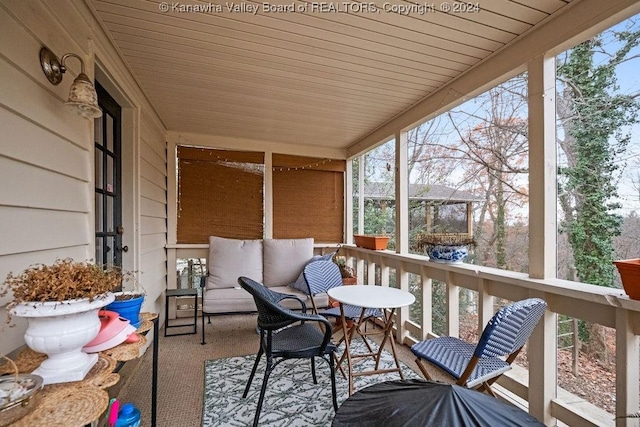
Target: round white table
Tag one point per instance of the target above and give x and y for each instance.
(370, 296)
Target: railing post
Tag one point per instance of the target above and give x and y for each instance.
(371, 272)
(360, 269)
(384, 275)
(627, 371)
(402, 313)
(541, 352)
(453, 307)
(426, 317)
(485, 305)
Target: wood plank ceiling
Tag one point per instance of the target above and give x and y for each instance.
(325, 74)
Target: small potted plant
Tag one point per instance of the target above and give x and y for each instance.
(129, 303)
(348, 273)
(348, 278)
(61, 303)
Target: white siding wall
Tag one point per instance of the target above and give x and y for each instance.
(46, 152)
(153, 211)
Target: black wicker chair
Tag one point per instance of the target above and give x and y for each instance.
(301, 337)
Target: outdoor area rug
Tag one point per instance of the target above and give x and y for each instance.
(291, 399)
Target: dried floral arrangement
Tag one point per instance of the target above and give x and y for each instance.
(444, 239)
(65, 279)
(345, 270)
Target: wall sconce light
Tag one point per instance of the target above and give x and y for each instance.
(82, 95)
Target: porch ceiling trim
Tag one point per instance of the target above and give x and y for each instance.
(336, 80)
(577, 22)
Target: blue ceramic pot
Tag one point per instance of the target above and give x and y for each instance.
(449, 254)
(128, 308)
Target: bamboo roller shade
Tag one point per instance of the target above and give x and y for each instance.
(308, 198)
(220, 193)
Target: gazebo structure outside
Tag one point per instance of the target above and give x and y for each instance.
(435, 208)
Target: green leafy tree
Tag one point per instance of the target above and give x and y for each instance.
(594, 119)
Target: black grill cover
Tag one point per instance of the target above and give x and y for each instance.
(415, 403)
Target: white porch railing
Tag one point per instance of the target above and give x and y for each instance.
(594, 304)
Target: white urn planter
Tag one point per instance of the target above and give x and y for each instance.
(60, 329)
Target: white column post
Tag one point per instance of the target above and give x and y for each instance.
(348, 205)
(402, 193)
(402, 225)
(542, 168)
(268, 195)
(542, 229)
(360, 195)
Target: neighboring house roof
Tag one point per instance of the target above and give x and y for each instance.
(435, 193)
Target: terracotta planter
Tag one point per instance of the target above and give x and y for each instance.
(345, 282)
(629, 270)
(371, 242)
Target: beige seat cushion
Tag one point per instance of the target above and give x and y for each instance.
(237, 300)
(232, 258)
(284, 259)
(229, 300)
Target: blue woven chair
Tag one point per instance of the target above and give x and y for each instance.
(480, 365)
(324, 275)
(287, 334)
